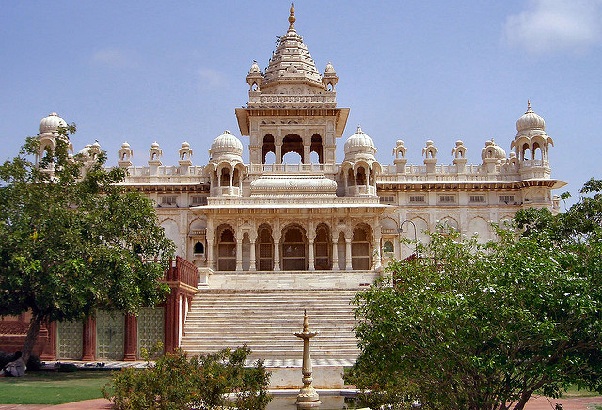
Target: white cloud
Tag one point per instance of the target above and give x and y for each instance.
(113, 57)
(210, 79)
(556, 25)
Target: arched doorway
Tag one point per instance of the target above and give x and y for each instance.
(323, 248)
(265, 248)
(361, 258)
(294, 248)
(226, 249)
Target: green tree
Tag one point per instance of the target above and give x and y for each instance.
(207, 382)
(73, 240)
(485, 326)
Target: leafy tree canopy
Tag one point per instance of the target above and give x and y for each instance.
(73, 240)
(485, 326)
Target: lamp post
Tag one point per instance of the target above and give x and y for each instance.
(415, 233)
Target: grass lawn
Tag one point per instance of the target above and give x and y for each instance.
(49, 387)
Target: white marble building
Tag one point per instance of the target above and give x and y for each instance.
(320, 214)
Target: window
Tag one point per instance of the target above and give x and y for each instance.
(169, 200)
(507, 199)
(387, 199)
(477, 199)
(388, 247)
(417, 199)
(198, 200)
(447, 199)
(199, 249)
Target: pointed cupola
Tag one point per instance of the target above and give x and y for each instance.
(291, 65)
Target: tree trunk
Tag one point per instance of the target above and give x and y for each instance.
(524, 398)
(32, 336)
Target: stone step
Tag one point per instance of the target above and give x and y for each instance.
(266, 320)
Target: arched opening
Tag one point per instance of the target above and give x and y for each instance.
(269, 158)
(265, 248)
(294, 248)
(537, 151)
(360, 178)
(268, 146)
(525, 152)
(224, 179)
(317, 147)
(292, 158)
(226, 249)
(322, 248)
(350, 177)
(199, 248)
(292, 143)
(235, 177)
(361, 248)
(388, 247)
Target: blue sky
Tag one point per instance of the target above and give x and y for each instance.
(174, 71)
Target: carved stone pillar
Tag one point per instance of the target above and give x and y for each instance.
(377, 248)
(239, 240)
(276, 254)
(306, 154)
(310, 255)
(210, 262)
(130, 340)
(335, 253)
(89, 345)
(279, 152)
(252, 255)
(348, 256)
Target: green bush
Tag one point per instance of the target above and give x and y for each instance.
(205, 382)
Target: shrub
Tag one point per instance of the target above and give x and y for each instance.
(205, 382)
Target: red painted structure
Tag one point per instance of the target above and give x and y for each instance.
(182, 277)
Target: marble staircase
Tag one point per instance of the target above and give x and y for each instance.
(266, 319)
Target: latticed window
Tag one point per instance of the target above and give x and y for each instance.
(293, 250)
(323, 248)
(226, 251)
(360, 250)
(266, 250)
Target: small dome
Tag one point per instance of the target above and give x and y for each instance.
(492, 150)
(530, 121)
(329, 69)
(125, 145)
(254, 68)
(185, 144)
(155, 145)
(226, 143)
(51, 123)
(359, 143)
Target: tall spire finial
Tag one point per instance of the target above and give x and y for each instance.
(529, 109)
(291, 18)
